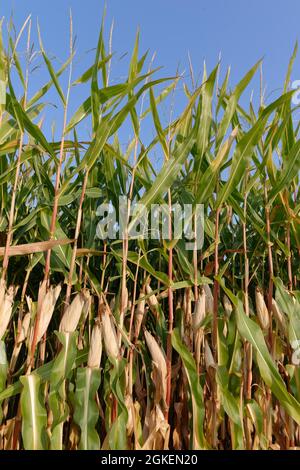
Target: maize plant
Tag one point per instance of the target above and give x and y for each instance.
(125, 342)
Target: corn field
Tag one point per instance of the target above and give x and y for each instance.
(140, 343)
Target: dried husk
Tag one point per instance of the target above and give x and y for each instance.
(74, 311)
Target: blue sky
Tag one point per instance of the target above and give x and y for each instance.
(242, 31)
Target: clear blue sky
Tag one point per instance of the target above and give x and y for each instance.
(243, 31)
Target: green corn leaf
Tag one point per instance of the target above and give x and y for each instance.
(257, 418)
(205, 186)
(3, 371)
(109, 127)
(114, 92)
(34, 415)
(291, 308)
(134, 63)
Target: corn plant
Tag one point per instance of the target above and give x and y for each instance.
(141, 343)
